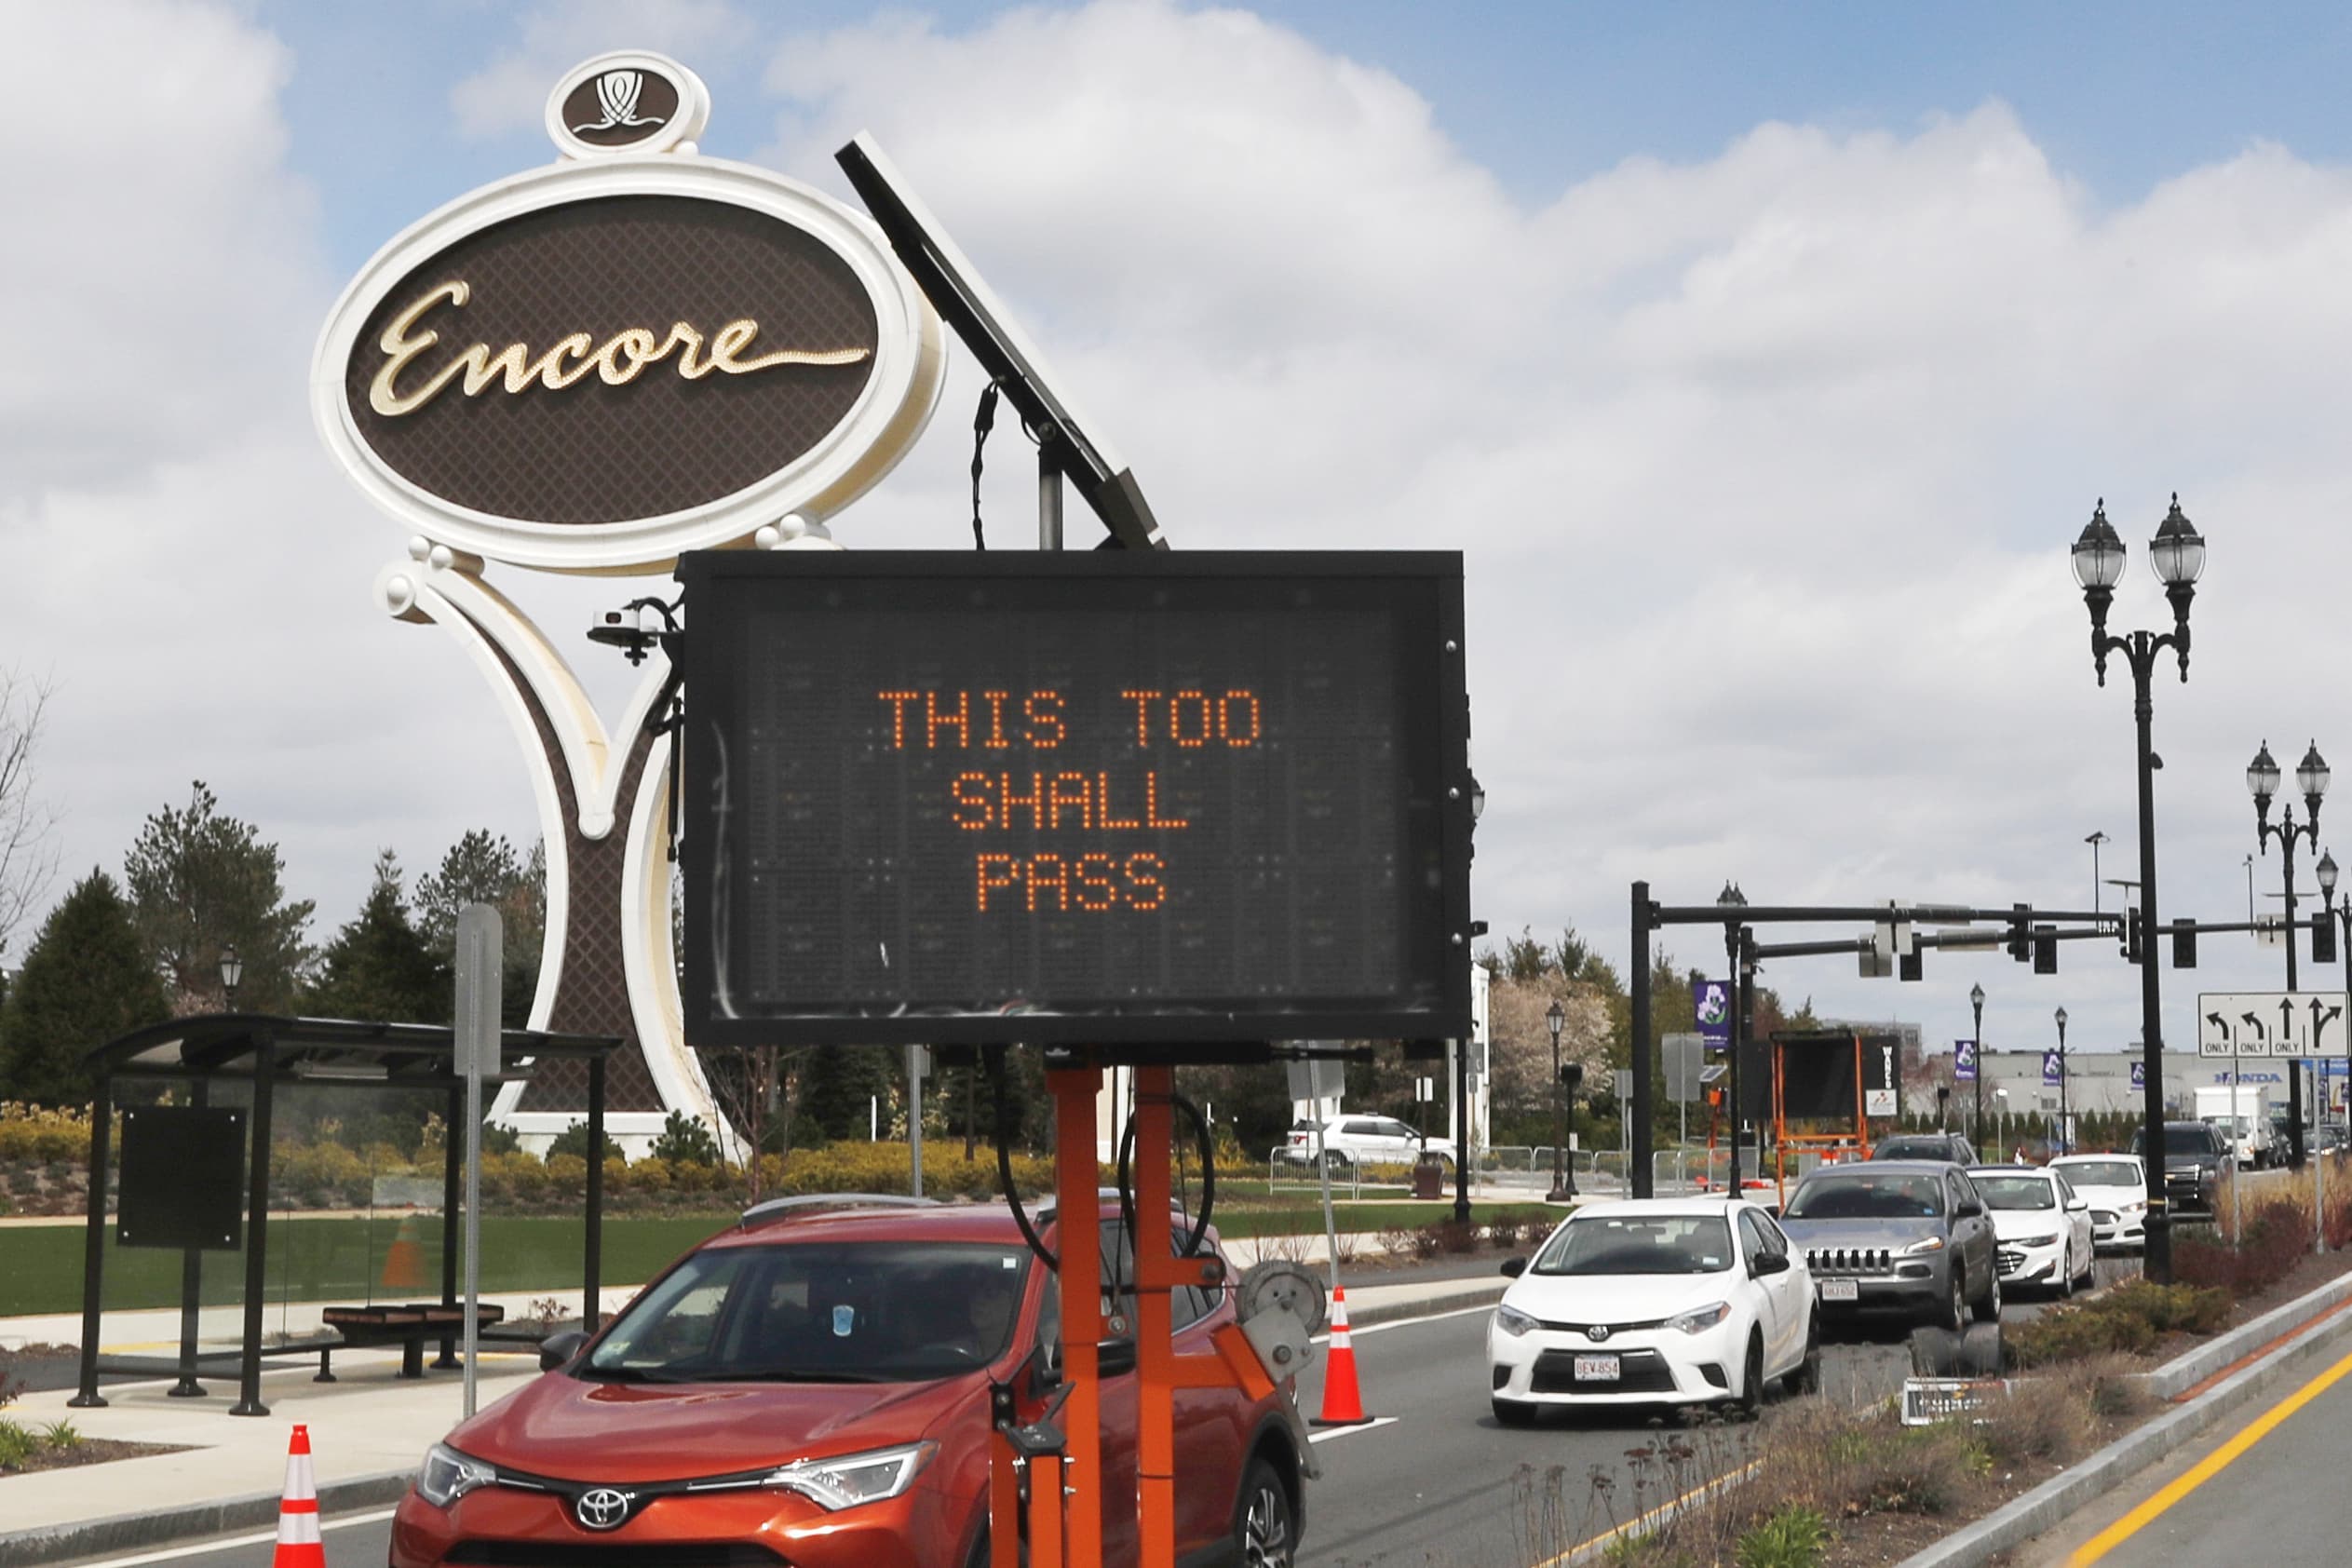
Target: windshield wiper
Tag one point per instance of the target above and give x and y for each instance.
(793, 1374)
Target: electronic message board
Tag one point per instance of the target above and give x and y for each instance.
(1106, 797)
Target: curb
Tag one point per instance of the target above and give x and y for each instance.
(1428, 1306)
(93, 1538)
(2186, 1372)
(2052, 1501)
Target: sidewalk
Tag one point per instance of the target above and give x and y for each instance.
(368, 1431)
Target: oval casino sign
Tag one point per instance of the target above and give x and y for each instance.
(592, 367)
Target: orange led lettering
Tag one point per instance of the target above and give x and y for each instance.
(1144, 889)
(1083, 801)
(1142, 702)
(898, 701)
(1096, 890)
(959, 719)
(1103, 819)
(1151, 819)
(996, 701)
(1046, 726)
(996, 872)
(1229, 732)
(1047, 871)
(1176, 718)
(971, 793)
(1034, 800)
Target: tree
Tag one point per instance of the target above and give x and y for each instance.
(840, 1082)
(28, 858)
(379, 967)
(86, 980)
(482, 868)
(199, 881)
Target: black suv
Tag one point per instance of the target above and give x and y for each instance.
(2195, 1157)
(1926, 1146)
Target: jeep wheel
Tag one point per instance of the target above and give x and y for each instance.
(1953, 1312)
(1262, 1531)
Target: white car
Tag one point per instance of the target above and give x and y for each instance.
(1361, 1139)
(1655, 1302)
(2041, 1226)
(2116, 1188)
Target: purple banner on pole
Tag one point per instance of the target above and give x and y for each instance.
(2053, 1069)
(1963, 1061)
(1711, 1002)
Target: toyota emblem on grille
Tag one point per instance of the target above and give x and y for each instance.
(1598, 1332)
(601, 1508)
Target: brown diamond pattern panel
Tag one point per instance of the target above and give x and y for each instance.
(595, 453)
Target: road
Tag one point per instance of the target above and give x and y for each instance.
(1433, 1479)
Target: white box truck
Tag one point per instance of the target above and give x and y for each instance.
(2241, 1112)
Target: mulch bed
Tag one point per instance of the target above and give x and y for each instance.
(90, 1450)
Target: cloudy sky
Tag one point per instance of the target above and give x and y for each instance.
(1762, 361)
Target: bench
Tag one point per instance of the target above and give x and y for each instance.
(407, 1325)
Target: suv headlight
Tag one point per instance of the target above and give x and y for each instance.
(1700, 1318)
(851, 1479)
(1932, 1244)
(2050, 1241)
(448, 1475)
(1512, 1321)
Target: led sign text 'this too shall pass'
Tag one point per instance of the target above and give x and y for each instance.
(965, 797)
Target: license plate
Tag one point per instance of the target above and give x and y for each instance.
(1599, 1369)
(1841, 1289)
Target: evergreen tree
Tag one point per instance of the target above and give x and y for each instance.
(480, 867)
(200, 881)
(841, 1082)
(379, 968)
(86, 980)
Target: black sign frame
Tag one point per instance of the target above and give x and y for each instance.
(1423, 593)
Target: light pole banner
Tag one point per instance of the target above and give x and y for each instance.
(2138, 1077)
(1963, 1061)
(2053, 1069)
(1710, 1001)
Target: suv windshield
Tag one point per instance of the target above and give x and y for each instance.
(2198, 1140)
(2016, 1192)
(1651, 1244)
(2105, 1173)
(824, 1312)
(1868, 1196)
(1912, 1148)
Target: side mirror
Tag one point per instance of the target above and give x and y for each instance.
(1767, 1262)
(1969, 1212)
(1514, 1267)
(1115, 1357)
(1044, 1368)
(556, 1351)
(2078, 1204)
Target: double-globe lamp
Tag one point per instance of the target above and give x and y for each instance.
(2177, 556)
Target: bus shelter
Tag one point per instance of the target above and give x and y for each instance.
(194, 1175)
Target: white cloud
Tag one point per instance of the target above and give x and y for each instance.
(510, 93)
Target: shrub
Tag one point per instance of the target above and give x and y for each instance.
(2067, 1333)
(2171, 1308)
(2053, 1419)
(1398, 1241)
(1792, 1538)
(17, 1445)
(1427, 1242)
(1458, 1236)
(1505, 1234)
(2276, 1236)
(61, 1434)
(685, 1140)
(35, 1135)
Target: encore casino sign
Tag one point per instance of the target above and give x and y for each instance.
(594, 366)
(1102, 797)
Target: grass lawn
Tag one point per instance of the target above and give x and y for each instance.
(353, 1261)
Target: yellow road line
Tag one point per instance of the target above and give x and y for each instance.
(2206, 1469)
(1671, 1506)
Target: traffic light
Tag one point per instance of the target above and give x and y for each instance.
(2324, 938)
(2019, 947)
(2132, 949)
(2045, 950)
(2183, 944)
(1908, 967)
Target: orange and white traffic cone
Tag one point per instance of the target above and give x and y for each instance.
(404, 1260)
(1343, 1404)
(298, 1543)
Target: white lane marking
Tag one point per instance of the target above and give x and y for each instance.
(1325, 1436)
(341, 1521)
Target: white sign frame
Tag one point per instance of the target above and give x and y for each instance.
(2218, 1045)
(910, 366)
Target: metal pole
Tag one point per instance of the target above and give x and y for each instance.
(914, 1120)
(1331, 1225)
(101, 1132)
(1738, 1041)
(1978, 1131)
(1559, 1127)
(1462, 1155)
(2294, 1064)
(1638, 1143)
(2156, 1263)
(473, 1225)
(1049, 497)
(2065, 1126)
(249, 1400)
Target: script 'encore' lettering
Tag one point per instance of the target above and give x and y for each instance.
(1067, 800)
(618, 361)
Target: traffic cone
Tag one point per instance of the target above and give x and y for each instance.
(298, 1543)
(404, 1260)
(1342, 1405)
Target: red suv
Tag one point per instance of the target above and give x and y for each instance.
(811, 1390)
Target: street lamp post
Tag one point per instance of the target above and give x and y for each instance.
(2177, 555)
(2341, 913)
(2262, 779)
(1462, 1154)
(2065, 1140)
(232, 971)
(2095, 840)
(1976, 1004)
(1732, 900)
(1562, 1182)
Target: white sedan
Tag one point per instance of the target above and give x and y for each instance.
(1655, 1302)
(2116, 1188)
(2041, 1226)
